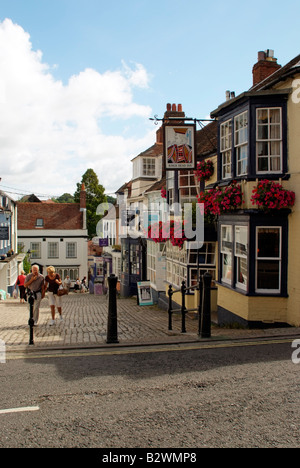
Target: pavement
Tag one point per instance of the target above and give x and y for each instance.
(84, 325)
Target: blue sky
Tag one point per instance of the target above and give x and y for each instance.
(103, 68)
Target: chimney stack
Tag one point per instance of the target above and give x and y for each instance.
(83, 197)
(173, 110)
(266, 65)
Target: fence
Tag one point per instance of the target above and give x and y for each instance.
(204, 307)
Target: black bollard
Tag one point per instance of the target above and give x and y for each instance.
(31, 321)
(200, 306)
(206, 318)
(183, 309)
(170, 294)
(112, 322)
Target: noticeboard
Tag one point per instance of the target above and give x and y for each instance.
(4, 233)
(145, 293)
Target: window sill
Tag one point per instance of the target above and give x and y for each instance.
(254, 294)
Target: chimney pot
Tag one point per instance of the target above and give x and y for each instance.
(179, 107)
(261, 56)
(169, 107)
(174, 108)
(265, 67)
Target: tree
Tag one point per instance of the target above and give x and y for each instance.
(65, 198)
(94, 196)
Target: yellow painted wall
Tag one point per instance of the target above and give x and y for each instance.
(274, 308)
(261, 309)
(293, 313)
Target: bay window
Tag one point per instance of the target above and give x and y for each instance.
(253, 254)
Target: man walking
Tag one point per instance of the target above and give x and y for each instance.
(36, 283)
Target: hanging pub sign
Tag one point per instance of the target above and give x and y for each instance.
(180, 146)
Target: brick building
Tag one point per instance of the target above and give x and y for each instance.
(56, 234)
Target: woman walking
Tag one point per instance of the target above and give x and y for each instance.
(52, 283)
(20, 283)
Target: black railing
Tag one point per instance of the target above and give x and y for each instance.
(204, 306)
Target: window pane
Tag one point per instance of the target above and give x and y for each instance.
(274, 116)
(226, 239)
(275, 164)
(263, 132)
(242, 271)
(227, 267)
(263, 149)
(262, 116)
(268, 274)
(275, 148)
(241, 241)
(275, 133)
(242, 160)
(263, 164)
(268, 243)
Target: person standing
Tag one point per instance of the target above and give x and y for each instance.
(20, 283)
(67, 283)
(52, 283)
(35, 283)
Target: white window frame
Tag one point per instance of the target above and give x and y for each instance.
(269, 141)
(241, 257)
(228, 252)
(68, 244)
(241, 132)
(279, 259)
(226, 149)
(53, 250)
(36, 248)
(190, 187)
(39, 223)
(148, 167)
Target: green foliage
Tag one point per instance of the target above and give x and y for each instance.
(65, 198)
(94, 196)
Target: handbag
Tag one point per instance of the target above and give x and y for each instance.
(62, 291)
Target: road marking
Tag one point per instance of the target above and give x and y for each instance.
(145, 349)
(20, 410)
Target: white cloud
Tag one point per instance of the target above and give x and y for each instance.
(50, 133)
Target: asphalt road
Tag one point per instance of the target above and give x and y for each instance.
(186, 397)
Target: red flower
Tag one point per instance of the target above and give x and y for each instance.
(205, 170)
(163, 193)
(217, 201)
(269, 195)
(162, 232)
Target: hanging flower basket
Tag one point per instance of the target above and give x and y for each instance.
(205, 170)
(162, 232)
(218, 201)
(163, 193)
(270, 196)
